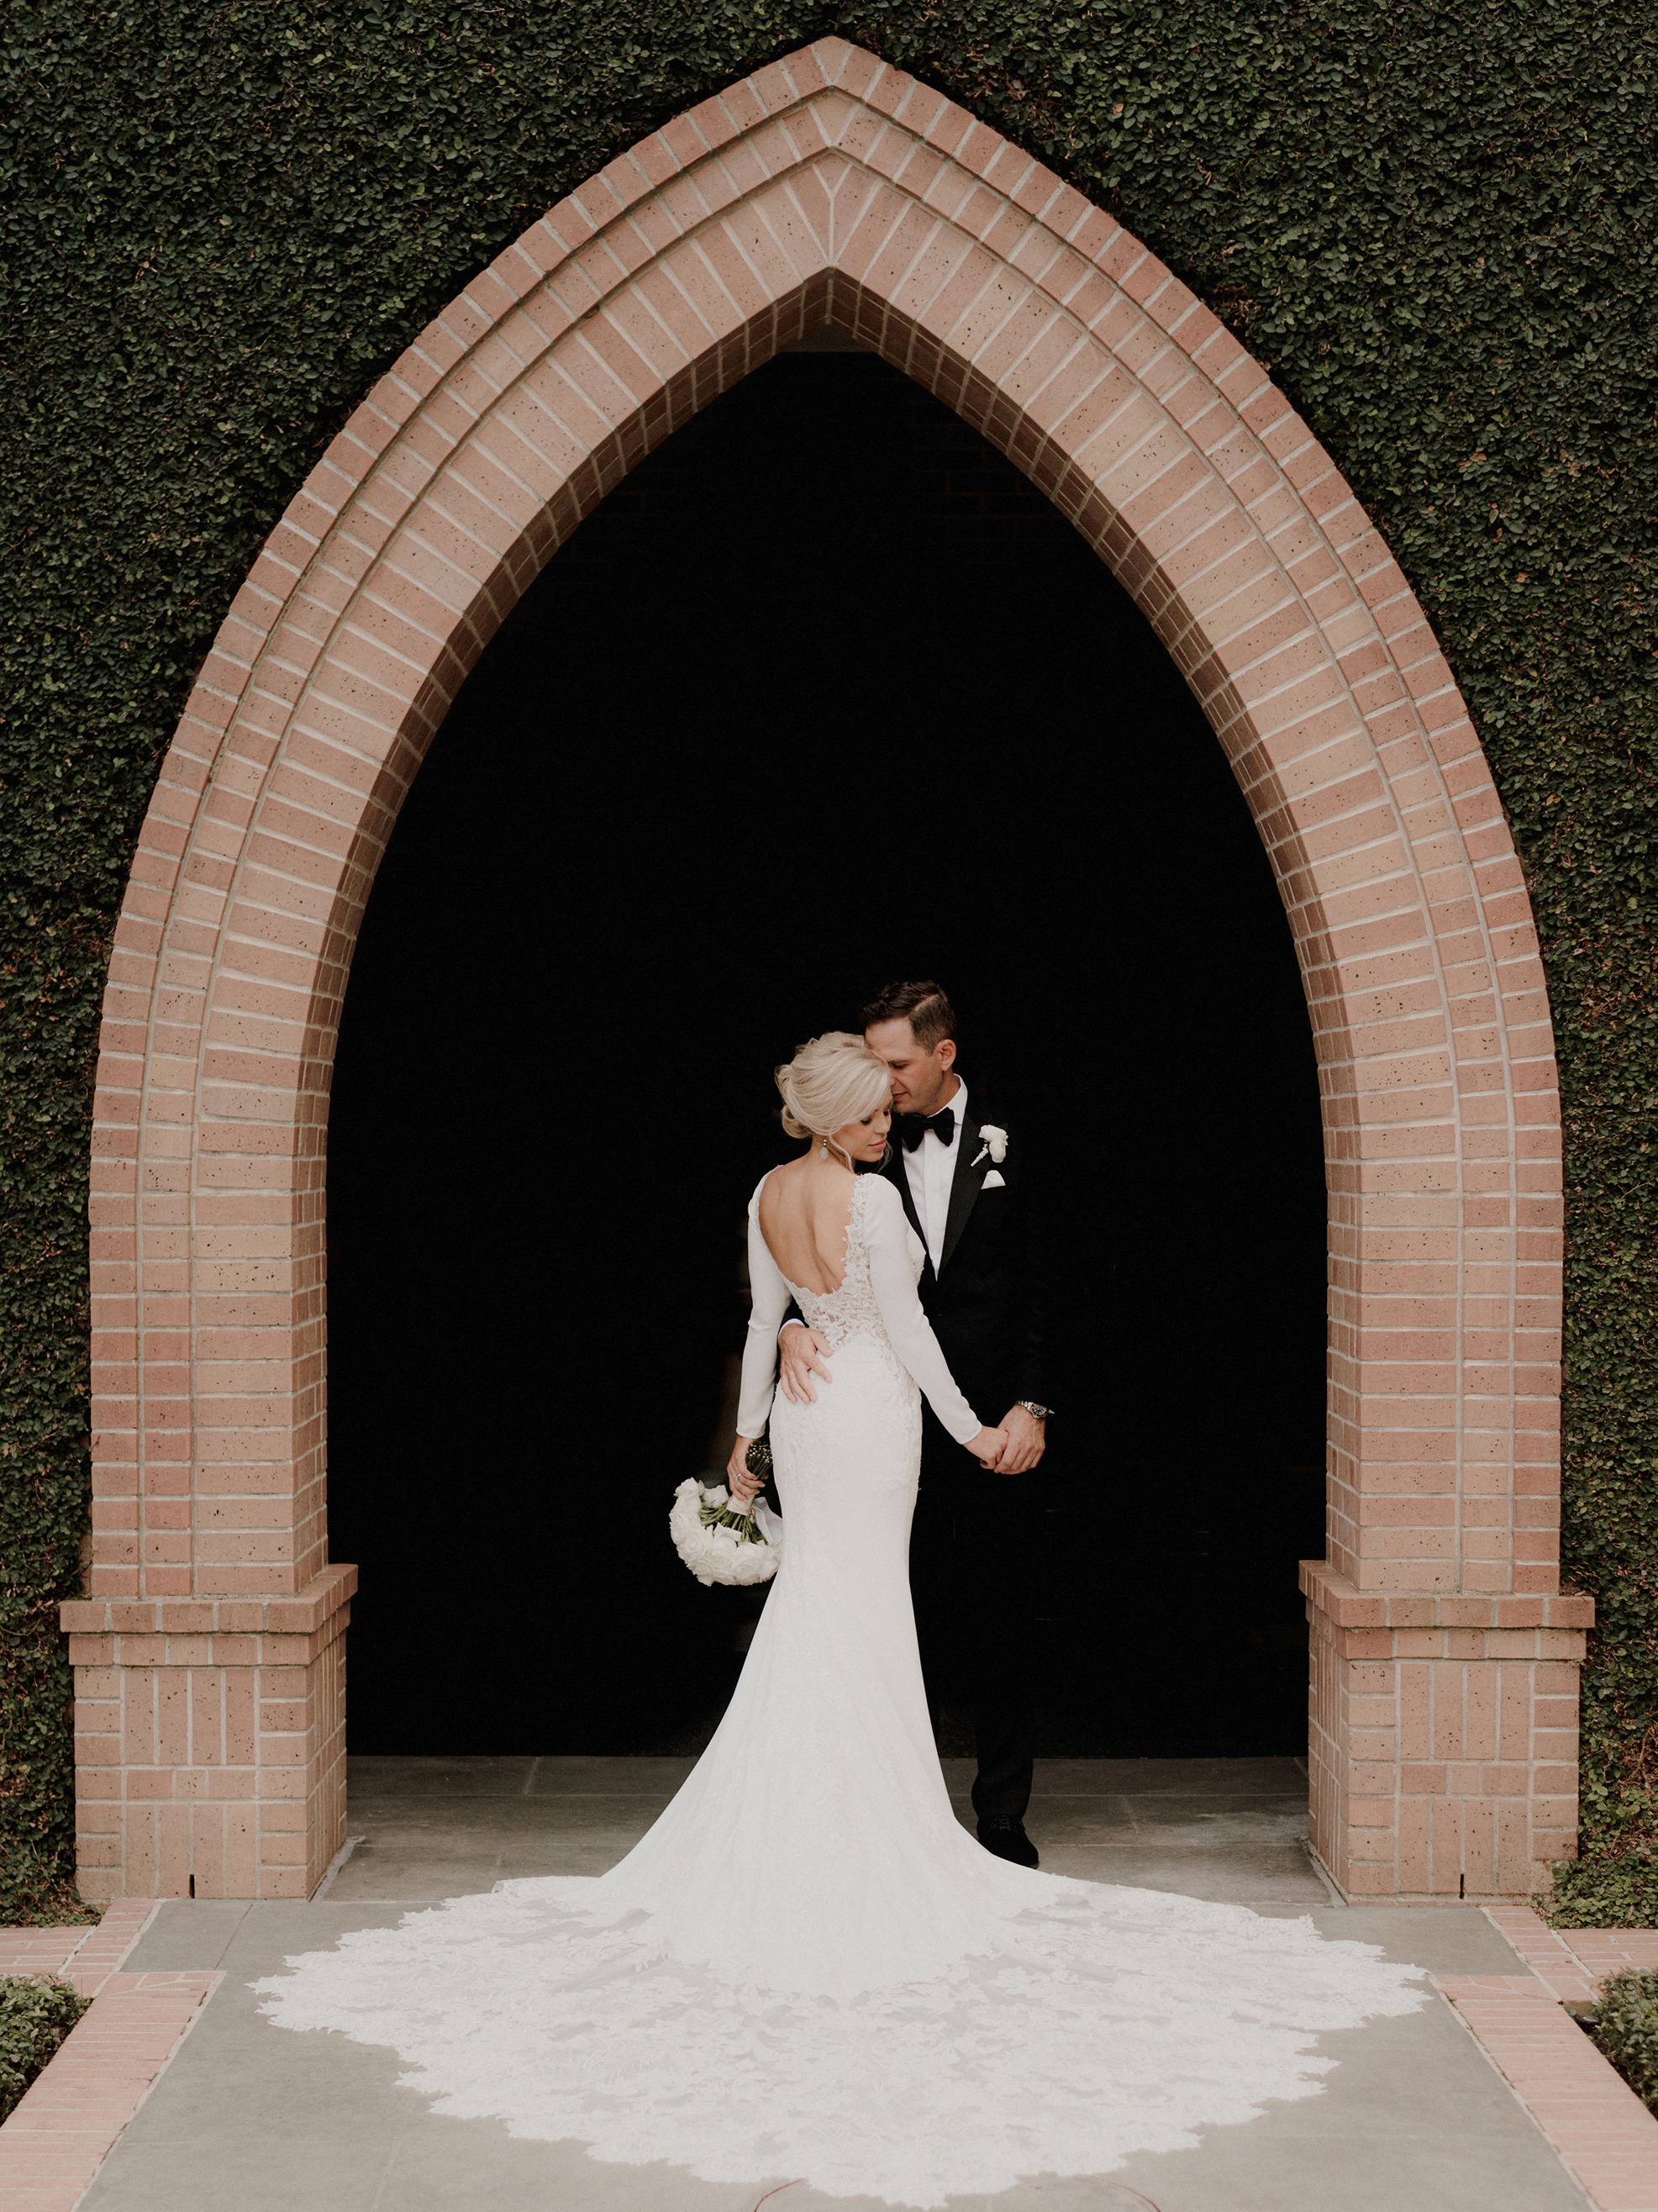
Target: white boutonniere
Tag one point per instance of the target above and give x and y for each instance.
(995, 1143)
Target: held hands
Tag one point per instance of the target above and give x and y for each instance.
(741, 1484)
(1027, 1440)
(987, 1446)
(801, 1353)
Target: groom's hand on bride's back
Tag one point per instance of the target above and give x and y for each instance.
(801, 1353)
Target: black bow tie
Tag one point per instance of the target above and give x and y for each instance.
(912, 1128)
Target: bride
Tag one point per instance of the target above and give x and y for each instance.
(808, 1969)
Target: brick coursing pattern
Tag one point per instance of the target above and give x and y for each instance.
(1443, 1735)
(209, 1740)
(827, 187)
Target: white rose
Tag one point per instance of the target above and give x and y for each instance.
(995, 1143)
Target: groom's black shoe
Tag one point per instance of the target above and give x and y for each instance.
(1008, 1840)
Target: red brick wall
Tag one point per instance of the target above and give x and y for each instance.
(825, 188)
(211, 1743)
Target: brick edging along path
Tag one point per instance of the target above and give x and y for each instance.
(1602, 2133)
(66, 2125)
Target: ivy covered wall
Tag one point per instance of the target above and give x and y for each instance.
(1433, 219)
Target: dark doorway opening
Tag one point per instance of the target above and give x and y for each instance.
(823, 694)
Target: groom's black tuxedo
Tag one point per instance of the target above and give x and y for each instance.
(972, 1569)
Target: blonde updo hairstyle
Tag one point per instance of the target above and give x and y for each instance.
(832, 1079)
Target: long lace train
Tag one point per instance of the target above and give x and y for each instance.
(1109, 2021)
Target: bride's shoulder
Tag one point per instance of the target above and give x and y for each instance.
(881, 1201)
(777, 1178)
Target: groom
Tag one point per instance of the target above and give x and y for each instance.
(972, 1557)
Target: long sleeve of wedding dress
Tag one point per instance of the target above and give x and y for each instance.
(893, 1252)
(769, 1290)
(893, 1248)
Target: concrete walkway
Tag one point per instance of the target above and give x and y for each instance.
(252, 2117)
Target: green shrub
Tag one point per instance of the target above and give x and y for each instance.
(1603, 1893)
(36, 2013)
(1627, 2029)
(1433, 220)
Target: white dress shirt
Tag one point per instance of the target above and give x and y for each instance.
(930, 1170)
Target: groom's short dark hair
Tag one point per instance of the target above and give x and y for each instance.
(923, 1005)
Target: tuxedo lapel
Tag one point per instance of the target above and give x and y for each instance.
(963, 1188)
(893, 1172)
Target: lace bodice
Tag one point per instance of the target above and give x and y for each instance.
(876, 1300)
(852, 1309)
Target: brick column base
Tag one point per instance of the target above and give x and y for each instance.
(1443, 1739)
(209, 1741)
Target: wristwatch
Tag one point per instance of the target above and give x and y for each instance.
(1037, 1413)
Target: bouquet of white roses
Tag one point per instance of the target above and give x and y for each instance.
(720, 1540)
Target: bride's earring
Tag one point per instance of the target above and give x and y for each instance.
(826, 1148)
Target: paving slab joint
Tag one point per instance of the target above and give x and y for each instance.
(334, 1866)
(1337, 1898)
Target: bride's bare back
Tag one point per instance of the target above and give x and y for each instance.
(803, 1210)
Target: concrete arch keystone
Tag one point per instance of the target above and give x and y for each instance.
(827, 188)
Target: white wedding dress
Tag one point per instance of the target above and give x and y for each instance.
(807, 1968)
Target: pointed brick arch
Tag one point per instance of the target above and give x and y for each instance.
(826, 189)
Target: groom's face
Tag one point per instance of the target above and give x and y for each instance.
(919, 1079)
